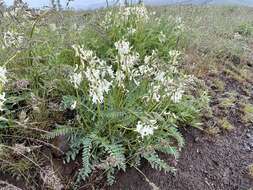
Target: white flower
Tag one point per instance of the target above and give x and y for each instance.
(131, 31)
(174, 55)
(128, 62)
(12, 39)
(162, 37)
(147, 59)
(97, 73)
(2, 100)
(85, 55)
(179, 24)
(134, 14)
(73, 106)
(178, 20)
(177, 95)
(146, 128)
(97, 91)
(76, 79)
(3, 77)
(120, 77)
(123, 47)
(140, 12)
(160, 76)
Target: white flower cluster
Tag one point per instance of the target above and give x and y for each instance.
(96, 71)
(128, 67)
(164, 87)
(179, 24)
(161, 85)
(146, 128)
(134, 13)
(126, 63)
(177, 95)
(84, 54)
(3, 80)
(123, 47)
(3, 72)
(12, 39)
(138, 12)
(76, 79)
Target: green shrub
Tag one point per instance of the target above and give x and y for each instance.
(121, 81)
(129, 94)
(245, 29)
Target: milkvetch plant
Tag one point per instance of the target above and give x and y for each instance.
(129, 94)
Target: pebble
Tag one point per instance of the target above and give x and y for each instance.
(248, 135)
(247, 148)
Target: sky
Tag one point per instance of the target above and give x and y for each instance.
(88, 4)
(91, 4)
(78, 4)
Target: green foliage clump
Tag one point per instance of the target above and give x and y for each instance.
(245, 29)
(129, 94)
(248, 113)
(118, 83)
(226, 125)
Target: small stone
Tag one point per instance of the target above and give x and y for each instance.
(196, 139)
(247, 148)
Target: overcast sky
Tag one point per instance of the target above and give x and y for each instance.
(86, 4)
(75, 4)
(91, 4)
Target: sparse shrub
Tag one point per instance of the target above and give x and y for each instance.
(248, 113)
(226, 125)
(229, 100)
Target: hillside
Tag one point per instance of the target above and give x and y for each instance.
(202, 2)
